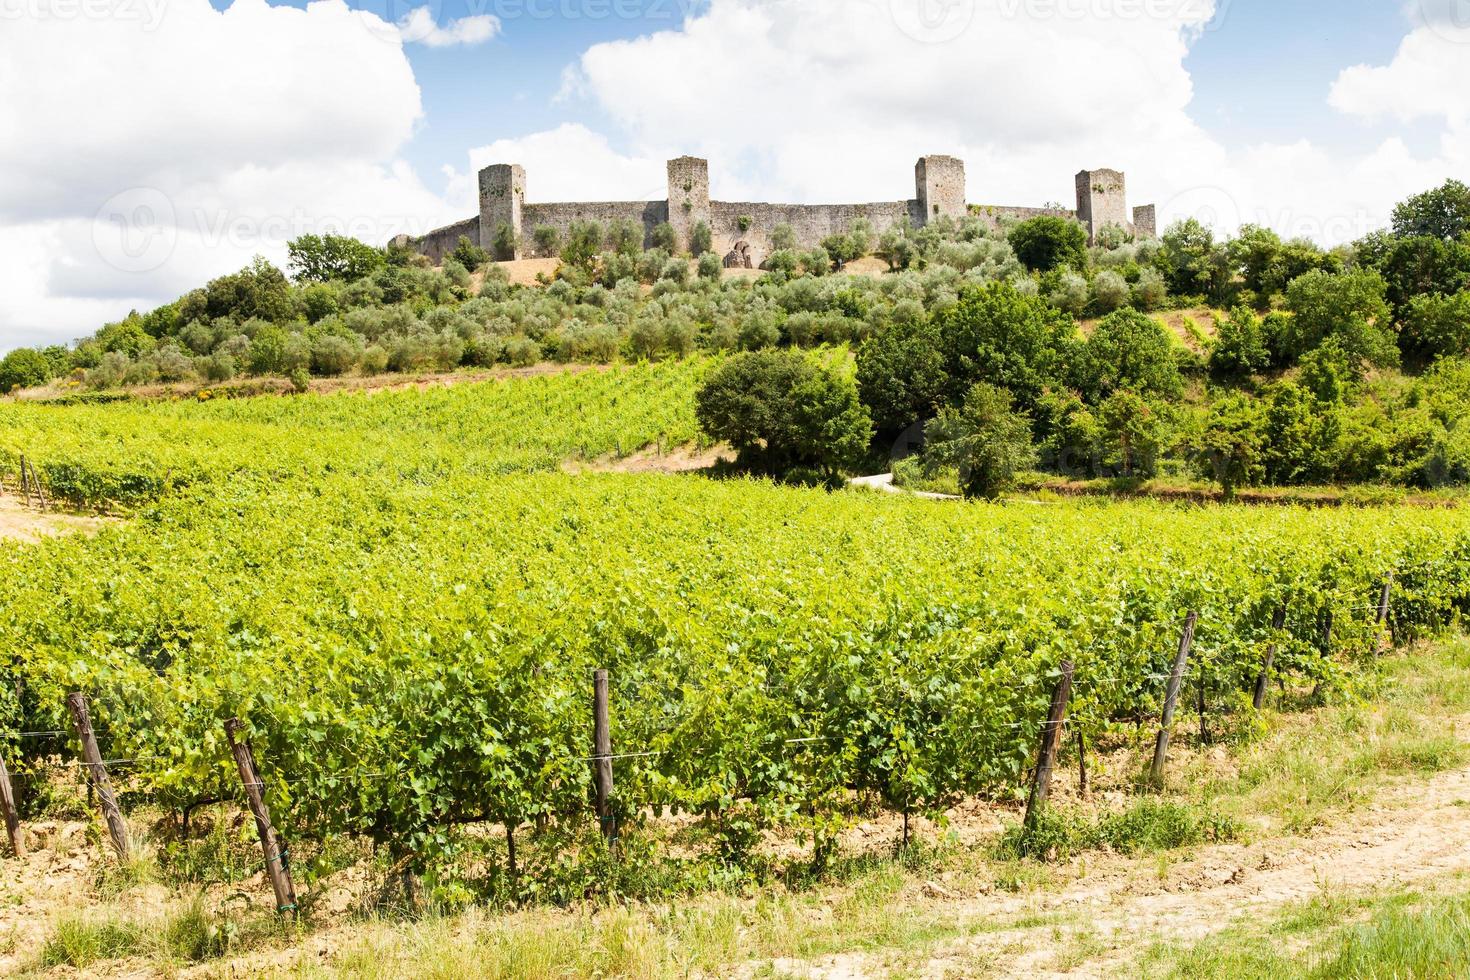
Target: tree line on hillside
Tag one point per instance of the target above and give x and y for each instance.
(1326, 365)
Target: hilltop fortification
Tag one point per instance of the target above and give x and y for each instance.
(939, 188)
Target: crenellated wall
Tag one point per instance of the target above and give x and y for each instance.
(810, 222)
(648, 214)
(939, 183)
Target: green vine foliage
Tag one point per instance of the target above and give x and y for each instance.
(404, 597)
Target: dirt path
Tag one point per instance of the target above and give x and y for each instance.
(1412, 834)
(19, 522)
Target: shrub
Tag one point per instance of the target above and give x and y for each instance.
(332, 355)
(984, 441)
(321, 258)
(710, 266)
(1150, 291)
(548, 240)
(1109, 291)
(664, 237)
(1049, 242)
(781, 412)
(1349, 307)
(469, 255)
(1240, 345)
(505, 243)
(23, 368)
(1130, 351)
(1070, 293)
(783, 237)
(701, 239)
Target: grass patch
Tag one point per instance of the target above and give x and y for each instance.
(1402, 936)
(191, 934)
(1145, 826)
(1324, 762)
(81, 940)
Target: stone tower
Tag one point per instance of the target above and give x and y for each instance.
(502, 196)
(688, 197)
(1145, 222)
(940, 182)
(1102, 200)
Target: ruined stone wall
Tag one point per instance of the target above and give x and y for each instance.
(441, 241)
(810, 222)
(995, 214)
(649, 214)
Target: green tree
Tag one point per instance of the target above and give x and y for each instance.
(1133, 433)
(24, 367)
(1001, 336)
(584, 239)
(1437, 326)
(783, 238)
(901, 375)
(1442, 213)
(782, 413)
(1131, 351)
(1049, 242)
(469, 254)
(1300, 433)
(1348, 306)
(258, 291)
(701, 239)
(505, 243)
(1422, 266)
(665, 237)
(1240, 345)
(1233, 441)
(1194, 264)
(322, 258)
(984, 440)
(548, 240)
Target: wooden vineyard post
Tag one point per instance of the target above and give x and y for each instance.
(602, 757)
(1385, 638)
(1171, 699)
(1046, 756)
(1082, 784)
(97, 771)
(276, 866)
(25, 484)
(1278, 623)
(12, 816)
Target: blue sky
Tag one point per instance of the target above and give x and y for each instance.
(1261, 73)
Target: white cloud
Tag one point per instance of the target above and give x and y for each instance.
(1428, 78)
(419, 26)
(213, 135)
(830, 100)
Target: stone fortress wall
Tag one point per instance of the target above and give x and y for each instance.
(939, 188)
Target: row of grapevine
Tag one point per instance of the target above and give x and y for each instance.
(404, 601)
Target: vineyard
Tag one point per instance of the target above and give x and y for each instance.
(405, 602)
